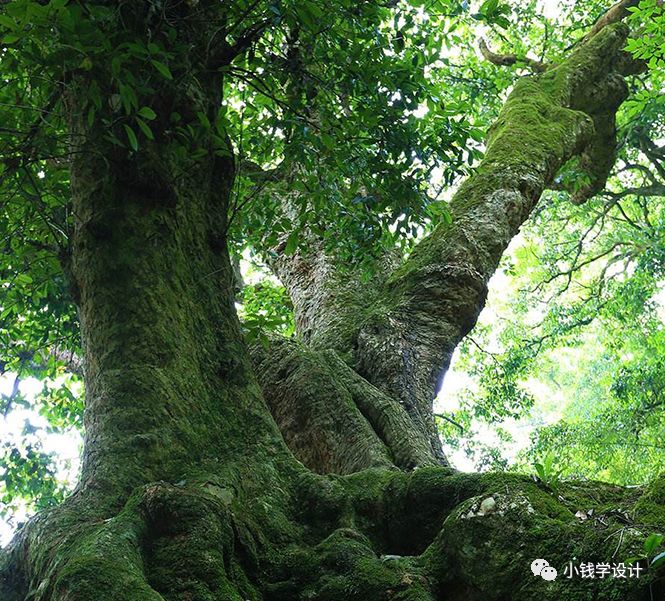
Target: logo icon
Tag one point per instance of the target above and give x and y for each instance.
(542, 568)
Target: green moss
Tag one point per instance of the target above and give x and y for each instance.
(650, 508)
(547, 119)
(345, 566)
(531, 138)
(102, 557)
(354, 537)
(486, 546)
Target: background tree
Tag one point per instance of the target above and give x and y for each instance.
(148, 142)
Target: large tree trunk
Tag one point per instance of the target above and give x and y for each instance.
(400, 331)
(188, 491)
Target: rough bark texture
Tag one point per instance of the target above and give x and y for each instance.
(188, 490)
(331, 418)
(329, 305)
(436, 296)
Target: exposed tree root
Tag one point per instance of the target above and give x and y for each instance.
(379, 534)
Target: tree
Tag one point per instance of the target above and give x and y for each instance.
(289, 468)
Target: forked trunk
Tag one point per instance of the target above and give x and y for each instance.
(188, 491)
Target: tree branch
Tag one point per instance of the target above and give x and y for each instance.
(433, 300)
(617, 12)
(504, 60)
(226, 52)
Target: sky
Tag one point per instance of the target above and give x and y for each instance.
(65, 446)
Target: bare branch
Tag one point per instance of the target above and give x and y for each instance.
(616, 12)
(450, 420)
(652, 190)
(504, 60)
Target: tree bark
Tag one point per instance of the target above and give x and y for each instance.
(332, 419)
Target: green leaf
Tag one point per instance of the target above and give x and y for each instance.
(8, 22)
(199, 153)
(145, 129)
(203, 119)
(162, 68)
(95, 95)
(128, 97)
(291, 243)
(309, 13)
(147, 113)
(652, 542)
(658, 560)
(489, 6)
(131, 136)
(328, 141)
(439, 210)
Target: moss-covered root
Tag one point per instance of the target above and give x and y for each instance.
(63, 554)
(486, 546)
(169, 543)
(347, 566)
(378, 535)
(104, 563)
(467, 537)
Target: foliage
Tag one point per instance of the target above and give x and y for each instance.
(547, 472)
(266, 307)
(581, 339)
(579, 334)
(31, 477)
(651, 545)
(570, 347)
